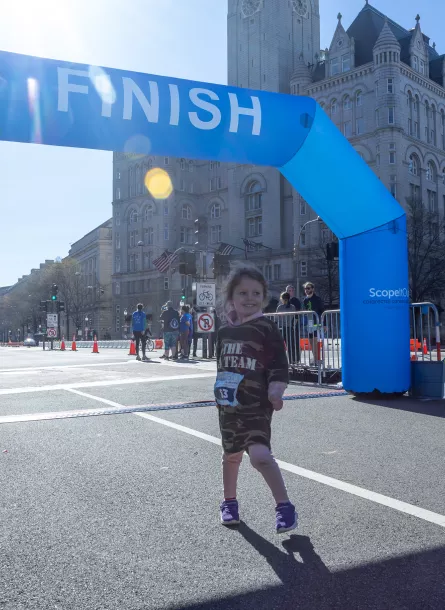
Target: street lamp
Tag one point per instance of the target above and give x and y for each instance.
(297, 252)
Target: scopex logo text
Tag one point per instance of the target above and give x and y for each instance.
(377, 293)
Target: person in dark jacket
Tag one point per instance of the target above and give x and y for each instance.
(312, 302)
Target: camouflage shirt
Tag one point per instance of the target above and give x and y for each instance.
(254, 350)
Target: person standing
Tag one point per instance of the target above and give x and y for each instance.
(286, 324)
(139, 323)
(185, 328)
(295, 301)
(251, 379)
(170, 319)
(312, 302)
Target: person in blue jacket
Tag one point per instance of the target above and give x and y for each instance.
(139, 322)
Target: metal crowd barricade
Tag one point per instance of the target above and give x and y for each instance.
(301, 332)
(425, 332)
(331, 342)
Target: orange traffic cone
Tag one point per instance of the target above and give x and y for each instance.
(132, 351)
(62, 345)
(414, 357)
(425, 347)
(95, 346)
(73, 344)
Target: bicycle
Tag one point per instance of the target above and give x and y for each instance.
(206, 296)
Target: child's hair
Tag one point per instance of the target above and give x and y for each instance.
(285, 296)
(140, 306)
(239, 272)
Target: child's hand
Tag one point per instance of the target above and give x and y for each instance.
(277, 403)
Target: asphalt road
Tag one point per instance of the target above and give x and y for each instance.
(109, 499)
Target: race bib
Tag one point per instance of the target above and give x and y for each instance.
(226, 388)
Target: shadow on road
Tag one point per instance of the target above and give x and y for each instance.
(414, 581)
(435, 408)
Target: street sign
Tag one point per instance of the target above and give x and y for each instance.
(206, 322)
(51, 320)
(205, 294)
(52, 333)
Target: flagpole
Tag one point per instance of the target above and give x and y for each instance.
(170, 273)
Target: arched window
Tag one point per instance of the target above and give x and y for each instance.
(347, 104)
(334, 107)
(215, 210)
(358, 98)
(254, 197)
(148, 212)
(133, 216)
(186, 212)
(414, 165)
(431, 172)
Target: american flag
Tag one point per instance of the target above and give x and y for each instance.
(163, 262)
(226, 249)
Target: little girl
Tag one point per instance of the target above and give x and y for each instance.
(252, 376)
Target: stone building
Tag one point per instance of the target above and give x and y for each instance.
(88, 287)
(382, 85)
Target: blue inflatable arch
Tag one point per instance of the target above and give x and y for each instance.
(63, 104)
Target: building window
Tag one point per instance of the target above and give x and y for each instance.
(147, 260)
(254, 197)
(133, 217)
(118, 193)
(148, 212)
(181, 184)
(391, 115)
(133, 238)
(335, 66)
(303, 207)
(359, 98)
(255, 226)
(333, 107)
(182, 164)
(347, 129)
(360, 126)
(392, 153)
(390, 85)
(345, 63)
(215, 234)
(165, 209)
(431, 172)
(212, 184)
(186, 235)
(347, 103)
(191, 187)
(166, 232)
(215, 210)
(277, 272)
(166, 160)
(415, 63)
(149, 236)
(118, 241)
(415, 192)
(432, 202)
(191, 167)
(393, 185)
(268, 272)
(166, 283)
(186, 212)
(422, 66)
(118, 175)
(303, 269)
(219, 182)
(413, 166)
(131, 262)
(117, 288)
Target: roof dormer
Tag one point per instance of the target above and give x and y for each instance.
(341, 55)
(418, 51)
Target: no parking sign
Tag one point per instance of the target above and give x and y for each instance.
(206, 322)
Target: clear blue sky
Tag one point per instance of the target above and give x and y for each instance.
(69, 190)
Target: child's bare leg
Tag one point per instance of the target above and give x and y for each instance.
(262, 459)
(231, 463)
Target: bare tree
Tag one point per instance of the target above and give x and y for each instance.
(326, 277)
(426, 252)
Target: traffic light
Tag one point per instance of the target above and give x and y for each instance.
(332, 253)
(221, 264)
(60, 306)
(201, 231)
(187, 263)
(43, 306)
(54, 291)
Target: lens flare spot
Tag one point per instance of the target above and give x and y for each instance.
(137, 146)
(158, 183)
(103, 85)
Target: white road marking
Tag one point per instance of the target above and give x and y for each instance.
(58, 367)
(361, 492)
(101, 384)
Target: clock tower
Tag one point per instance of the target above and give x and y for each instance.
(266, 39)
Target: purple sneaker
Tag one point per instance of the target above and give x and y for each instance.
(229, 512)
(287, 518)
